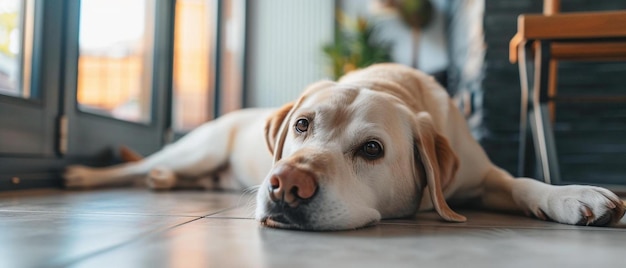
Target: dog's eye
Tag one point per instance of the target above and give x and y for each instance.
(302, 125)
(372, 150)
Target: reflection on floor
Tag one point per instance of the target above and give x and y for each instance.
(139, 228)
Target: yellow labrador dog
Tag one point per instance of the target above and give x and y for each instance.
(382, 142)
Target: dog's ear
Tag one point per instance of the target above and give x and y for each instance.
(439, 162)
(273, 125)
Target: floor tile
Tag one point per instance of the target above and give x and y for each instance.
(133, 201)
(55, 239)
(223, 242)
(140, 228)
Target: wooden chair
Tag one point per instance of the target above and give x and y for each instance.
(541, 41)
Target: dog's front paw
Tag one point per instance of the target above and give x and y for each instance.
(581, 205)
(78, 176)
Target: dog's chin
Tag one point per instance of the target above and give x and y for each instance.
(280, 222)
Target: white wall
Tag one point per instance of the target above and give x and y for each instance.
(284, 48)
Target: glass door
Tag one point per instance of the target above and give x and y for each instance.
(116, 87)
(26, 109)
(78, 79)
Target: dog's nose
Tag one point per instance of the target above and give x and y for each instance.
(291, 185)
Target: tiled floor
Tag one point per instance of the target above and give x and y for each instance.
(139, 228)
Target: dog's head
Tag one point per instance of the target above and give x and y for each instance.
(345, 157)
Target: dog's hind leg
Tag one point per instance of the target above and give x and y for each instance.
(198, 153)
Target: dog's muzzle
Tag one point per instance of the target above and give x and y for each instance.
(290, 191)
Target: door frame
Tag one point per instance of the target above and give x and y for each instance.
(37, 167)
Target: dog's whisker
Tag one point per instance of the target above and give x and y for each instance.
(247, 202)
(251, 189)
(248, 193)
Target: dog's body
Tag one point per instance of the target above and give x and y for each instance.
(382, 142)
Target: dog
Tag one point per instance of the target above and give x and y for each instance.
(381, 142)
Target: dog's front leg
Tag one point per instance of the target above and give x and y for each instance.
(570, 204)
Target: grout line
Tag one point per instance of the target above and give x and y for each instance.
(230, 218)
(135, 239)
(98, 213)
(139, 237)
(219, 211)
(213, 216)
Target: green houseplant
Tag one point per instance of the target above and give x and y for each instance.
(354, 46)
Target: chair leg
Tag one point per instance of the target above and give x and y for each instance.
(523, 161)
(543, 135)
(526, 158)
(545, 167)
(545, 149)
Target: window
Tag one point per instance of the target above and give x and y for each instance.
(115, 58)
(196, 77)
(232, 55)
(16, 39)
(193, 78)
